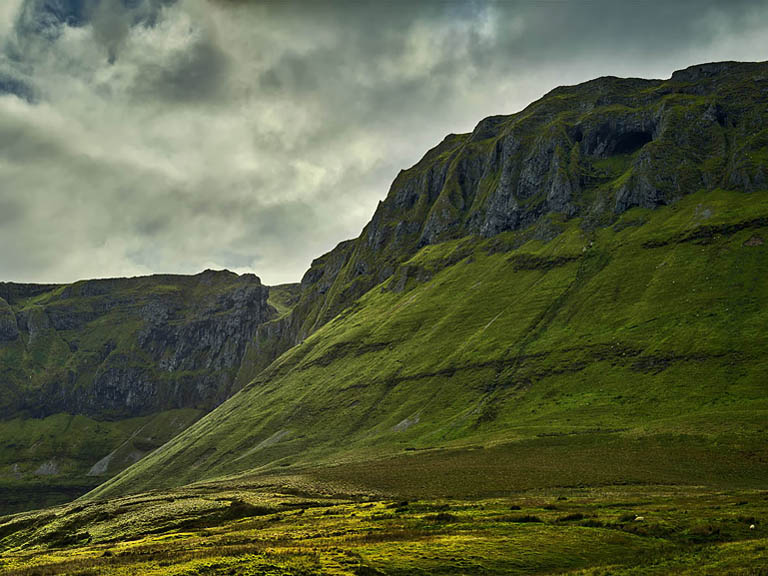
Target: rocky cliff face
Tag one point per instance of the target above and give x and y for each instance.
(127, 347)
(9, 329)
(590, 151)
(95, 375)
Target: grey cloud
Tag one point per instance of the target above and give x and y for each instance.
(46, 17)
(291, 73)
(143, 136)
(196, 74)
(40, 23)
(25, 146)
(10, 211)
(151, 226)
(11, 83)
(111, 24)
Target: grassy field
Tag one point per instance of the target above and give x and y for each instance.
(295, 525)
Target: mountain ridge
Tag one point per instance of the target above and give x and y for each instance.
(421, 204)
(97, 373)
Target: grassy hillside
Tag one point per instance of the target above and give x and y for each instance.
(505, 289)
(592, 151)
(634, 353)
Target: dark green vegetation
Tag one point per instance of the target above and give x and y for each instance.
(570, 301)
(98, 373)
(593, 150)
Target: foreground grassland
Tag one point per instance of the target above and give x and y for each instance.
(288, 525)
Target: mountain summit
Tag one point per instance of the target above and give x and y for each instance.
(591, 151)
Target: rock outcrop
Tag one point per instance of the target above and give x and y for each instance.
(9, 329)
(128, 347)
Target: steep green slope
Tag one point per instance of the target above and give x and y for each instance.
(579, 280)
(633, 352)
(96, 374)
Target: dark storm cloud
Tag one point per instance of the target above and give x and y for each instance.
(198, 74)
(12, 84)
(111, 23)
(143, 136)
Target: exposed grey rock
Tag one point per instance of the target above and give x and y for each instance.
(102, 466)
(639, 190)
(178, 342)
(701, 71)
(47, 468)
(9, 329)
(34, 321)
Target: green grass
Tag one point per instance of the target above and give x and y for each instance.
(46, 461)
(646, 324)
(646, 336)
(284, 297)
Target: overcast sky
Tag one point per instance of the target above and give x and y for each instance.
(143, 136)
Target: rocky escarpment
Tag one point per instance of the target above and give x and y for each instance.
(318, 284)
(9, 329)
(127, 347)
(591, 151)
(97, 374)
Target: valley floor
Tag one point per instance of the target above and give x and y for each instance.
(294, 525)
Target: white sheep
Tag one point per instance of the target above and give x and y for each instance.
(751, 526)
(639, 518)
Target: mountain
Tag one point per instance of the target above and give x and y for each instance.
(570, 295)
(98, 373)
(591, 151)
(544, 354)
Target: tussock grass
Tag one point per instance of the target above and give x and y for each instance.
(685, 530)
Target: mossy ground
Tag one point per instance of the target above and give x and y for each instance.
(46, 461)
(292, 525)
